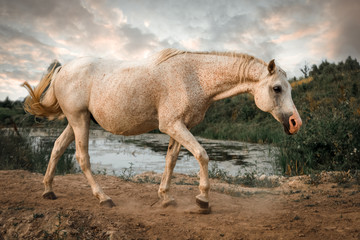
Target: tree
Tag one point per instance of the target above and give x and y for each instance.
(305, 70)
(7, 103)
(351, 64)
(314, 70)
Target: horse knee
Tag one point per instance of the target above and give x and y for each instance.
(202, 156)
(84, 161)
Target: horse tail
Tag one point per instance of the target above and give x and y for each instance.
(42, 101)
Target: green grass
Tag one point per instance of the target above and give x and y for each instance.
(16, 152)
(248, 179)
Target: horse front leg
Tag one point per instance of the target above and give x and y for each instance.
(63, 141)
(181, 134)
(171, 157)
(81, 130)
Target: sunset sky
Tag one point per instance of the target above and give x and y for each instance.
(35, 32)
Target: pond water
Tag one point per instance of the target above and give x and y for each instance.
(113, 153)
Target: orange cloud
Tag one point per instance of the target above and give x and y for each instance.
(296, 35)
(277, 22)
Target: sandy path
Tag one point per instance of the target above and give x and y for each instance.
(292, 211)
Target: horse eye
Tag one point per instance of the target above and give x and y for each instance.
(277, 89)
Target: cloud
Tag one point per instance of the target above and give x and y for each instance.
(191, 44)
(345, 28)
(34, 32)
(296, 35)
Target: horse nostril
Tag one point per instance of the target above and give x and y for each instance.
(293, 122)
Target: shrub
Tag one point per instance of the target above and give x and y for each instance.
(17, 152)
(330, 136)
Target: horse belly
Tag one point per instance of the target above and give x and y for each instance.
(124, 101)
(125, 118)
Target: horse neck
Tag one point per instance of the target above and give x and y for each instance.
(225, 76)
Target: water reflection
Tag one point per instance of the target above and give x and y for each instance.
(147, 153)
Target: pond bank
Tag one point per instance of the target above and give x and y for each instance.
(111, 154)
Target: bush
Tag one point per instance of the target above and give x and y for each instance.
(16, 152)
(330, 136)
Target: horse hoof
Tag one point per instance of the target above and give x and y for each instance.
(197, 210)
(202, 204)
(107, 203)
(49, 195)
(170, 202)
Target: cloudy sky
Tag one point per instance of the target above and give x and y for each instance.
(35, 32)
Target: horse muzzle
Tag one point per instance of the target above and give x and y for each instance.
(292, 123)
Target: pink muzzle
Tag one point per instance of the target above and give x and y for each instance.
(295, 123)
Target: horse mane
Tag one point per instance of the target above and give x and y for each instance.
(246, 59)
(165, 54)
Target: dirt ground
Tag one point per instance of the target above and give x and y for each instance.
(293, 210)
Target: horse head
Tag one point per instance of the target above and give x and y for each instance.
(273, 94)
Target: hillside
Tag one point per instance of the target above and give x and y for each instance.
(329, 104)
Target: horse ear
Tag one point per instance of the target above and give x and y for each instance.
(271, 66)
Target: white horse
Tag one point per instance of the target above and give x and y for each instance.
(170, 91)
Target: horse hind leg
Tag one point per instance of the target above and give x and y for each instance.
(181, 134)
(63, 141)
(80, 124)
(171, 157)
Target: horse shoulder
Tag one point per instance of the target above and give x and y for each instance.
(183, 98)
